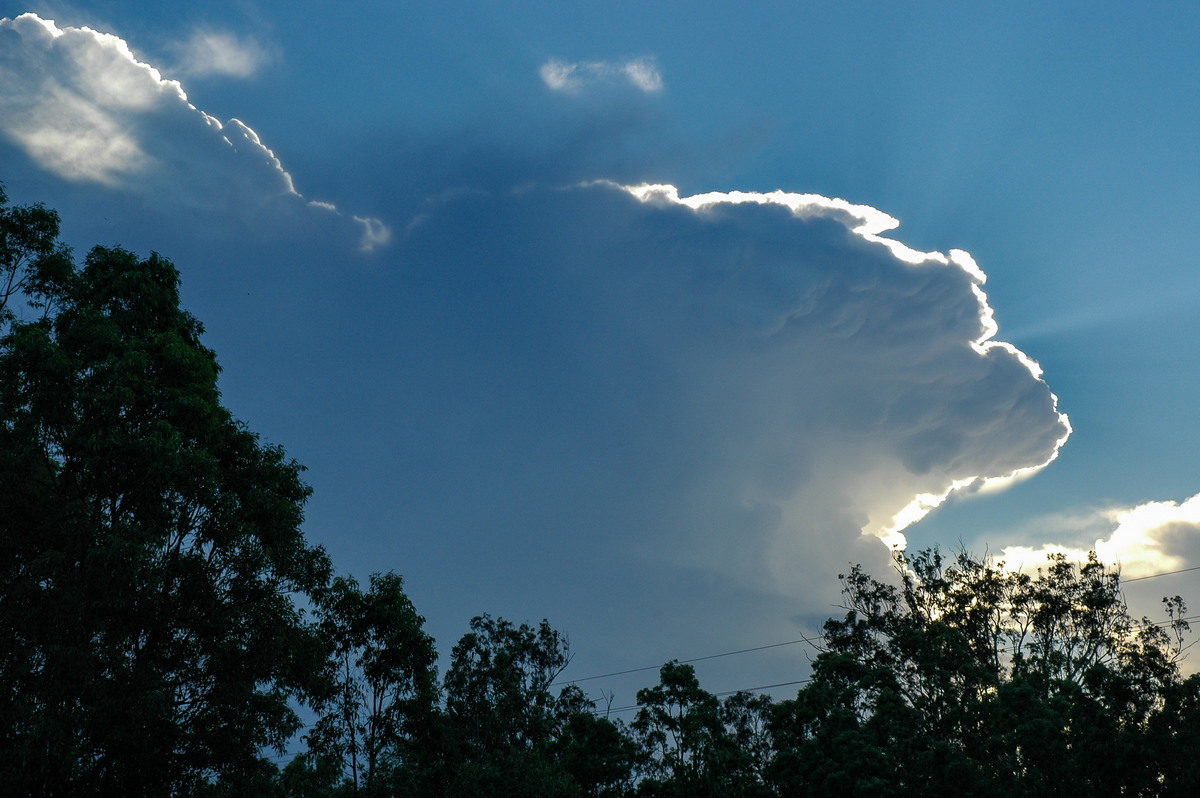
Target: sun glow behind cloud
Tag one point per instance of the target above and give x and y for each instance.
(779, 386)
(1144, 539)
(870, 224)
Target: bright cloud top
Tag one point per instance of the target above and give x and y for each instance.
(769, 385)
(84, 108)
(571, 78)
(870, 224)
(1145, 539)
(210, 52)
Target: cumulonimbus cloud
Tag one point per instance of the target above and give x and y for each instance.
(782, 387)
(84, 108)
(571, 77)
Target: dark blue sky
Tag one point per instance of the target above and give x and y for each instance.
(665, 425)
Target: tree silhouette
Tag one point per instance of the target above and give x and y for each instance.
(149, 543)
(962, 677)
(382, 691)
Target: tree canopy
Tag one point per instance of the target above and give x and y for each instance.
(967, 677)
(150, 544)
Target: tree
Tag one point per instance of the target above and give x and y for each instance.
(150, 544)
(677, 724)
(964, 677)
(693, 744)
(502, 721)
(595, 753)
(375, 715)
(748, 752)
(30, 254)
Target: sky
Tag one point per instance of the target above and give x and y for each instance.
(652, 318)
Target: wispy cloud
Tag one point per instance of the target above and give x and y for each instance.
(209, 52)
(572, 77)
(83, 107)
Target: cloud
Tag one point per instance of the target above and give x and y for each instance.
(757, 386)
(1145, 539)
(563, 76)
(760, 384)
(81, 106)
(209, 52)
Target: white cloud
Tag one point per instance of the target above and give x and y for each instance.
(1145, 539)
(641, 73)
(375, 233)
(644, 74)
(768, 383)
(210, 52)
(84, 108)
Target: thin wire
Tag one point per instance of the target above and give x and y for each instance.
(631, 707)
(763, 687)
(688, 661)
(1164, 573)
(614, 710)
(794, 642)
(802, 639)
(1171, 621)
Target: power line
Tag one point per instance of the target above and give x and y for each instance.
(631, 707)
(802, 639)
(762, 687)
(689, 661)
(285, 755)
(793, 642)
(1170, 621)
(1164, 573)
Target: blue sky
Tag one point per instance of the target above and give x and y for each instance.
(663, 424)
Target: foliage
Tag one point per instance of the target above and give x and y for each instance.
(596, 754)
(31, 258)
(677, 725)
(149, 543)
(692, 744)
(966, 677)
(382, 687)
(502, 720)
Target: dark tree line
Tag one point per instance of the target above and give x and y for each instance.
(162, 618)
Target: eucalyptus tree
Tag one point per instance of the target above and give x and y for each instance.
(150, 544)
(508, 733)
(693, 744)
(374, 717)
(962, 677)
(30, 254)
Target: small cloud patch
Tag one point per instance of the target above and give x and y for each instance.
(572, 78)
(208, 53)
